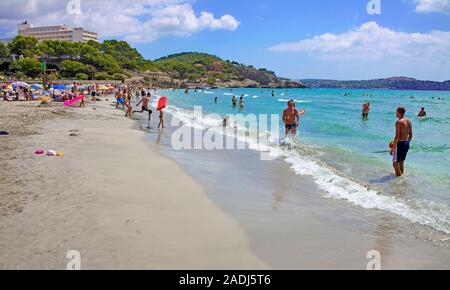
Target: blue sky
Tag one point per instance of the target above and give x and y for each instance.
(295, 38)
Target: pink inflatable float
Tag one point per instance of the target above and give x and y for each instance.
(70, 103)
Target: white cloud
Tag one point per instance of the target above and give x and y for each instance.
(427, 6)
(137, 20)
(372, 42)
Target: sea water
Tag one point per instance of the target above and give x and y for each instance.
(345, 155)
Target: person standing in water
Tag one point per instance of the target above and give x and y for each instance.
(161, 120)
(365, 110)
(215, 100)
(403, 137)
(241, 103)
(234, 102)
(291, 119)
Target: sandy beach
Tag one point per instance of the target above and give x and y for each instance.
(124, 199)
(112, 197)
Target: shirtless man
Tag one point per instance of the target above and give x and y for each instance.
(422, 113)
(291, 119)
(145, 108)
(120, 100)
(403, 137)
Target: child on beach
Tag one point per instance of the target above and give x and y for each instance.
(161, 120)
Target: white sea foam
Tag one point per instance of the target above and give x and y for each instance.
(333, 184)
(296, 101)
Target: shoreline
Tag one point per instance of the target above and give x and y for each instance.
(316, 232)
(199, 222)
(113, 199)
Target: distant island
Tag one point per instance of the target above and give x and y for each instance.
(27, 58)
(394, 83)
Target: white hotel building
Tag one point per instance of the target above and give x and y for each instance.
(60, 32)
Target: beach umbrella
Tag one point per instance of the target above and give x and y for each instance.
(37, 87)
(9, 88)
(60, 87)
(20, 84)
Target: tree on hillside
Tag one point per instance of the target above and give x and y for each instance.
(89, 70)
(123, 53)
(28, 66)
(54, 48)
(23, 45)
(70, 68)
(4, 51)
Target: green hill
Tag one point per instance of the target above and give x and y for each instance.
(117, 60)
(209, 70)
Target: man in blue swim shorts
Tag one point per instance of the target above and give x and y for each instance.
(403, 137)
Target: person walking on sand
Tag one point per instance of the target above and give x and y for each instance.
(145, 106)
(120, 100)
(83, 101)
(403, 137)
(129, 108)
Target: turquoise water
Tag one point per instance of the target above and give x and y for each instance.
(341, 152)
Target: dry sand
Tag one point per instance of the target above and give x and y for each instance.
(112, 197)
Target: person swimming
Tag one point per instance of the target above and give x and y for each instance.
(422, 113)
(225, 121)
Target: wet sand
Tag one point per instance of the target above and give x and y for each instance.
(293, 225)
